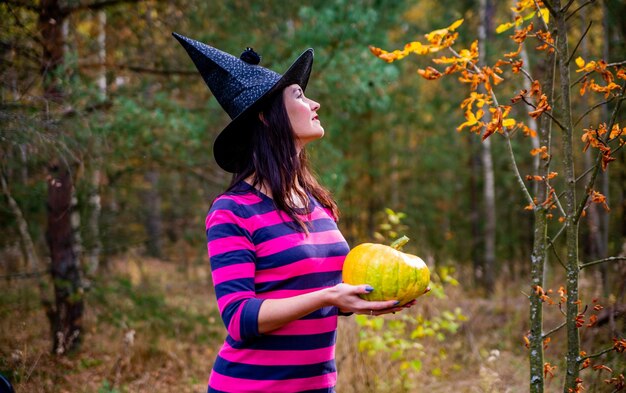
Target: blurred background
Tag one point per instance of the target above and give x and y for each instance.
(100, 102)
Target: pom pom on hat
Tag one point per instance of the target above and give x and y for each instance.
(250, 56)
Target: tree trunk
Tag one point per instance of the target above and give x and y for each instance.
(32, 261)
(95, 166)
(66, 316)
(474, 213)
(571, 223)
(153, 221)
(489, 194)
(539, 254)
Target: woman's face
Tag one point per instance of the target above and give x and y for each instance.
(302, 112)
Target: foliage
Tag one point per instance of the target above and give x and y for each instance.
(402, 338)
(485, 116)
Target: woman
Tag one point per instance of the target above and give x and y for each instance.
(276, 253)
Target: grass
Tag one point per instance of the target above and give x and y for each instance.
(151, 326)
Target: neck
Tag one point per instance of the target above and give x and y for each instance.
(296, 195)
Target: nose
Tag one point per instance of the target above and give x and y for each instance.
(314, 105)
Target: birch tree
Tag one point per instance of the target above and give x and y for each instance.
(545, 23)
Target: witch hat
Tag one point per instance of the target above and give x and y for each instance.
(241, 86)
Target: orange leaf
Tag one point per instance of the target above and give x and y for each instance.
(601, 367)
(548, 370)
(619, 345)
(592, 320)
(430, 73)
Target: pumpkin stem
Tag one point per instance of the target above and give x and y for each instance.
(398, 243)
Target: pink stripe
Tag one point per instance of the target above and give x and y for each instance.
(288, 241)
(242, 385)
(246, 199)
(258, 221)
(235, 324)
(277, 357)
(232, 272)
(220, 217)
(273, 217)
(284, 293)
(233, 297)
(301, 267)
(230, 243)
(307, 326)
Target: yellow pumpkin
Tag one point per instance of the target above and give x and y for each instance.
(393, 274)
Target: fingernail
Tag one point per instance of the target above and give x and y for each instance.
(369, 288)
(396, 303)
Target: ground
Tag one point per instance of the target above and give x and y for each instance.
(153, 326)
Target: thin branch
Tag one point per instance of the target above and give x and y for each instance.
(609, 259)
(525, 72)
(583, 174)
(550, 8)
(545, 42)
(518, 176)
(21, 4)
(138, 69)
(35, 37)
(98, 5)
(579, 8)
(514, 166)
(558, 234)
(555, 253)
(558, 203)
(595, 355)
(556, 329)
(597, 165)
(23, 275)
(566, 7)
(591, 109)
(558, 123)
(616, 64)
(582, 37)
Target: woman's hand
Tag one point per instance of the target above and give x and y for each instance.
(346, 298)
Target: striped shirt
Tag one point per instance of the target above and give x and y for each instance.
(255, 255)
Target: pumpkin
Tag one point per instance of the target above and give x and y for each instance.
(393, 274)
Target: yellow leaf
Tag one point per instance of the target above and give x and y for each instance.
(545, 14)
(504, 27)
(456, 24)
(580, 62)
(529, 16)
(442, 32)
(508, 122)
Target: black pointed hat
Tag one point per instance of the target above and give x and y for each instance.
(241, 86)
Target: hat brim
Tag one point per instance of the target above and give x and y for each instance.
(232, 146)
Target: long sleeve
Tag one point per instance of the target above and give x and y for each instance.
(232, 257)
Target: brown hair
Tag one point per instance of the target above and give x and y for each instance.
(275, 163)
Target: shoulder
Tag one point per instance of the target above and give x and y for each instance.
(235, 206)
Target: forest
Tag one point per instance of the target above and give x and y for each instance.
(491, 133)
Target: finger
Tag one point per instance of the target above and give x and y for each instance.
(390, 310)
(382, 305)
(410, 304)
(364, 289)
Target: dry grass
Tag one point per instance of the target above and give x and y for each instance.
(151, 326)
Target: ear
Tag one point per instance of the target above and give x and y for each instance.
(262, 118)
